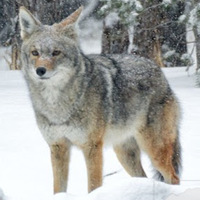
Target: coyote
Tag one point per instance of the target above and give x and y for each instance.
(94, 100)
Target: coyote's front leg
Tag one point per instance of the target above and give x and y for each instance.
(93, 158)
(60, 153)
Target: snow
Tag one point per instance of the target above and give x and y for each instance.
(5, 58)
(169, 54)
(90, 36)
(167, 1)
(25, 167)
(182, 18)
(192, 194)
(2, 196)
(111, 19)
(138, 6)
(194, 17)
(129, 189)
(187, 59)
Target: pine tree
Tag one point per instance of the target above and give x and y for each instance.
(194, 23)
(158, 35)
(119, 15)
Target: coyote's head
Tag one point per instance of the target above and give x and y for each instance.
(48, 50)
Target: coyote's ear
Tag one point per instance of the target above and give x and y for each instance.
(28, 23)
(67, 26)
(72, 18)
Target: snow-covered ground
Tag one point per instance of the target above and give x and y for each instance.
(25, 168)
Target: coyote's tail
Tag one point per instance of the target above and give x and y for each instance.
(176, 161)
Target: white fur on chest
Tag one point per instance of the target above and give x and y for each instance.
(114, 134)
(52, 103)
(54, 133)
(50, 92)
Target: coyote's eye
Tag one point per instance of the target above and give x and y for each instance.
(35, 53)
(56, 53)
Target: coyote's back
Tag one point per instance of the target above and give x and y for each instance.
(92, 100)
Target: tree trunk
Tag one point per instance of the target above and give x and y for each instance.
(15, 57)
(197, 39)
(174, 35)
(115, 39)
(158, 26)
(157, 54)
(147, 34)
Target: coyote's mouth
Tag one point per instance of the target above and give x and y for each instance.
(44, 78)
(47, 76)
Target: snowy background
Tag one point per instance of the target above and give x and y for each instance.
(25, 166)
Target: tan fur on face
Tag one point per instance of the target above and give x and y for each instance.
(47, 63)
(39, 61)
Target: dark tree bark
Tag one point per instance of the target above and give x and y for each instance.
(147, 34)
(115, 40)
(115, 37)
(174, 35)
(51, 11)
(158, 26)
(9, 35)
(197, 38)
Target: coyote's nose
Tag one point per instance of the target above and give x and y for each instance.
(41, 71)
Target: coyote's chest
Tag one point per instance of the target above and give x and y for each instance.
(53, 105)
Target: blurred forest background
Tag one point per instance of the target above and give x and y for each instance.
(156, 29)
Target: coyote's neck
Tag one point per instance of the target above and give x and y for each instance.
(58, 100)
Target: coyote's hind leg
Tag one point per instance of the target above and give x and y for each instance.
(128, 153)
